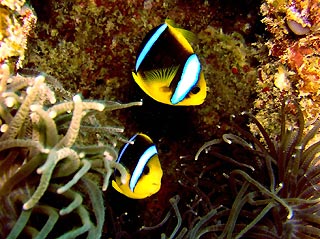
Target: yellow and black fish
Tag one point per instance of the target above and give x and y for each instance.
(167, 69)
(140, 158)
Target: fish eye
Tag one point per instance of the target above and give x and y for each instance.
(195, 90)
(146, 170)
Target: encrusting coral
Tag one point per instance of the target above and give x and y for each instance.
(16, 22)
(52, 149)
(294, 67)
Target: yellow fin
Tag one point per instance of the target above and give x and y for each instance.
(158, 90)
(170, 22)
(116, 187)
(162, 75)
(188, 35)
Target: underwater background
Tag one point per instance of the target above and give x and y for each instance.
(244, 164)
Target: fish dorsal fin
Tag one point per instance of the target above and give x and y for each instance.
(188, 35)
(163, 74)
(170, 23)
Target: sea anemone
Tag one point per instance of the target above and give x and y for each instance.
(53, 153)
(251, 186)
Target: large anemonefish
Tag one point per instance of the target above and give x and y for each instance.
(167, 69)
(140, 158)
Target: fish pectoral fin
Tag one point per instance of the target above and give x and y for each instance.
(162, 75)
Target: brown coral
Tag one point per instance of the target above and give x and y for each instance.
(294, 25)
(16, 24)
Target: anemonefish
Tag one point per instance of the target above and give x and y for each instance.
(167, 69)
(140, 158)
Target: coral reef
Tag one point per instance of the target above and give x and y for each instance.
(230, 72)
(98, 42)
(52, 149)
(56, 154)
(294, 69)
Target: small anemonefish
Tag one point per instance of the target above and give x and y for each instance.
(167, 69)
(140, 158)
